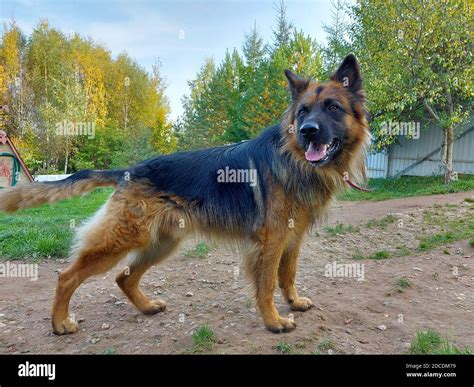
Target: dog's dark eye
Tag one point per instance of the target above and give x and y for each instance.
(333, 107)
(303, 111)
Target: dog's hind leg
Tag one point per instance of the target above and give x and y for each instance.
(128, 280)
(90, 262)
(102, 243)
(287, 276)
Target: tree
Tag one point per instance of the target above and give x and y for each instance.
(91, 64)
(253, 50)
(58, 95)
(16, 94)
(51, 81)
(418, 58)
(193, 129)
(337, 46)
(162, 136)
(247, 93)
(282, 33)
(134, 150)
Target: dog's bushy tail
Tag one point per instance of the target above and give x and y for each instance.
(35, 194)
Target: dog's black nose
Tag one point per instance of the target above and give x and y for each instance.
(309, 130)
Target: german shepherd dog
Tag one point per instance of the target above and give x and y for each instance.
(298, 165)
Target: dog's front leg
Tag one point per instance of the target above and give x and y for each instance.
(287, 276)
(263, 262)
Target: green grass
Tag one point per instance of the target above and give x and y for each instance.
(38, 233)
(340, 228)
(431, 241)
(377, 255)
(358, 256)
(381, 223)
(381, 254)
(284, 348)
(403, 251)
(471, 243)
(431, 343)
(300, 345)
(204, 338)
(200, 251)
(403, 283)
(323, 346)
(406, 186)
(459, 229)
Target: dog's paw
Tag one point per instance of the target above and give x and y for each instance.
(65, 327)
(154, 307)
(301, 304)
(281, 325)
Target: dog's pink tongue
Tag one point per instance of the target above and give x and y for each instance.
(316, 152)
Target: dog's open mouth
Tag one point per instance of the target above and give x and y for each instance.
(319, 153)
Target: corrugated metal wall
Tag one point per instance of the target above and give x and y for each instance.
(377, 164)
(409, 151)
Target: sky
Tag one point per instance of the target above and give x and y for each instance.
(179, 34)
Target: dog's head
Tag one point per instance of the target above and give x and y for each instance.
(327, 121)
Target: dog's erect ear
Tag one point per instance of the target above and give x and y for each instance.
(348, 74)
(296, 83)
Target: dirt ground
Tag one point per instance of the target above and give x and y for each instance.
(349, 316)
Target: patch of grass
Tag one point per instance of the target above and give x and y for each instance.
(204, 338)
(323, 346)
(403, 251)
(200, 251)
(47, 231)
(358, 256)
(403, 283)
(430, 217)
(381, 254)
(431, 343)
(407, 186)
(469, 200)
(426, 342)
(459, 229)
(300, 345)
(471, 243)
(431, 241)
(382, 223)
(378, 255)
(340, 228)
(452, 205)
(109, 351)
(284, 348)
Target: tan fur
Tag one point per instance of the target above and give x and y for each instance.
(35, 194)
